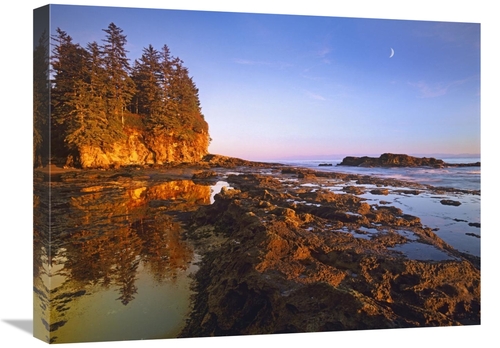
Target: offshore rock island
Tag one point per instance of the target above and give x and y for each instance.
(401, 160)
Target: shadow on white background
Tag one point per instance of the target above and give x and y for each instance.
(25, 325)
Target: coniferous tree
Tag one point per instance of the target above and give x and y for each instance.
(120, 85)
(94, 90)
(89, 123)
(41, 102)
(164, 120)
(147, 77)
(69, 69)
(185, 105)
(181, 109)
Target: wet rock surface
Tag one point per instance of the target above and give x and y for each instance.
(450, 202)
(282, 253)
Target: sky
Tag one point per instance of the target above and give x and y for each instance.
(294, 86)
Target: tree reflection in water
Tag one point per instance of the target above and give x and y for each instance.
(102, 237)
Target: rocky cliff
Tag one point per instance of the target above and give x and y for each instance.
(139, 148)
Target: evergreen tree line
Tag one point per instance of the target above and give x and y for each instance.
(97, 96)
(41, 101)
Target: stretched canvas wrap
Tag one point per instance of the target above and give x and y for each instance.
(206, 174)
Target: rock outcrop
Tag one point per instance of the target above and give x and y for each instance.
(220, 161)
(142, 149)
(400, 160)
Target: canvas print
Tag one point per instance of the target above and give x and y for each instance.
(204, 173)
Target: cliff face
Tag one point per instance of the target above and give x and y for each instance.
(143, 149)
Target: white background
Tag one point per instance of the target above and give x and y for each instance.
(16, 174)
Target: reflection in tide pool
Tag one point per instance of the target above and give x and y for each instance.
(101, 316)
(115, 253)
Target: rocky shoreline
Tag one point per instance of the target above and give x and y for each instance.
(280, 253)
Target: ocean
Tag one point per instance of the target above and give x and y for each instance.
(464, 178)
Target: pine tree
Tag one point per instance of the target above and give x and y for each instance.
(181, 111)
(147, 76)
(89, 123)
(69, 69)
(184, 102)
(41, 102)
(120, 86)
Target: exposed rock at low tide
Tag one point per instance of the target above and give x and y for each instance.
(214, 160)
(473, 235)
(279, 258)
(450, 202)
(380, 192)
(203, 175)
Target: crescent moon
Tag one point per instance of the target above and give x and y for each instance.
(392, 53)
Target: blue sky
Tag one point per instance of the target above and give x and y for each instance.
(288, 86)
